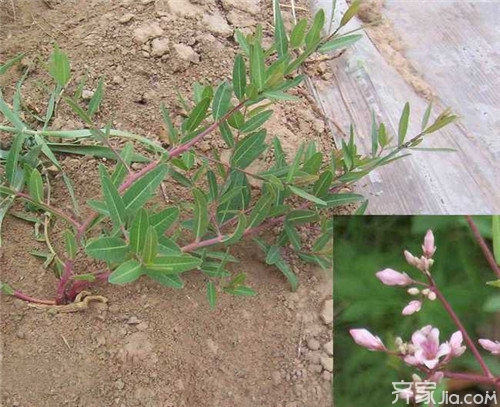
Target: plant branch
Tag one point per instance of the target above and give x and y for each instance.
(484, 247)
(27, 298)
(49, 208)
(472, 377)
(63, 282)
(462, 329)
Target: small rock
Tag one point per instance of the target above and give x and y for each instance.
(184, 8)
(327, 363)
(159, 47)
(147, 31)
(313, 344)
(119, 384)
(249, 6)
(240, 19)
(53, 169)
(276, 377)
(21, 334)
(146, 2)
(328, 348)
(133, 320)
(187, 53)
(117, 80)
(313, 357)
(327, 312)
(101, 340)
(315, 368)
(125, 18)
(142, 326)
(114, 309)
(326, 376)
(217, 24)
(87, 94)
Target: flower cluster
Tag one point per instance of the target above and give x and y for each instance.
(395, 278)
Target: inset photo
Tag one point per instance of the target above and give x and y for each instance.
(417, 311)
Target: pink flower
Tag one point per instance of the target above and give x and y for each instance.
(411, 259)
(456, 344)
(412, 307)
(427, 349)
(428, 246)
(393, 277)
(490, 346)
(364, 338)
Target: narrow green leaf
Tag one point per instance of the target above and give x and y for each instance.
(111, 249)
(84, 277)
(239, 77)
(293, 235)
(11, 166)
(280, 39)
(96, 100)
(150, 247)
(174, 264)
(238, 232)
(295, 165)
(35, 186)
(59, 67)
(92, 150)
(273, 255)
(256, 121)
(249, 149)
(313, 163)
(222, 99)
(163, 220)
(301, 216)
(306, 195)
(321, 261)
(11, 116)
(362, 209)
(333, 200)
(427, 114)
(260, 211)
(241, 291)
(211, 294)
(173, 135)
(70, 244)
(257, 66)
(288, 273)
(121, 171)
(241, 39)
(403, 124)
(440, 122)
(212, 185)
(114, 201)
(200, 214)
(313, 36)
(226, 134)
(322, 185)
(126, 273)
(197, 115)
(6, 289)
(167, 280)
(383, 140)
(339, 42)
(138, 230)
(143, 189)
(350, 13)
(298, 34)
(10, 63)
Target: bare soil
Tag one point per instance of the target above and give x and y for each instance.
(152, 346)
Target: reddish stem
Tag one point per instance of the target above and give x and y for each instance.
(24, 297)
(462, 329)
(472, 377)
(484, 247)
(63, 282)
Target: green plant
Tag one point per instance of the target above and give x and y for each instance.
(134, 237)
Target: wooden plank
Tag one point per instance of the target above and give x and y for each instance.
(465, 181)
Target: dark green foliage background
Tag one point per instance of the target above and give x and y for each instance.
(367, 244)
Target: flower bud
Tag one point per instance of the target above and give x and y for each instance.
(432, 296)
(393, 277)
(364, 338)
(428, 247)
(456, 344)
(413, 291)
(412, 307)
(411, 259)
(490, 346)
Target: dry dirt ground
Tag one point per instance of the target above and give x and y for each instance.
(152, 346)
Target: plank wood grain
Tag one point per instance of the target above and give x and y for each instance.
(464, 181)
